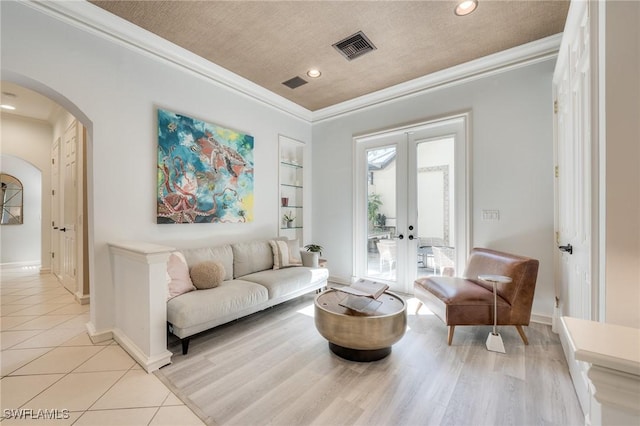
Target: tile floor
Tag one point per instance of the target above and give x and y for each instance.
(49, 363)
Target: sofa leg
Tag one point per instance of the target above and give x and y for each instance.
(450, 337)
(185, 345)
(522, 335)
(418, 307)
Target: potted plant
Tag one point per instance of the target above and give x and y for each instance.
(373, 207)
(311, 257)
(288, 218)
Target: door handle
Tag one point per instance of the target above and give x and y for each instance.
(410, 237)
(400, 237)
(55, 227)
(568, 248)
(63, 229)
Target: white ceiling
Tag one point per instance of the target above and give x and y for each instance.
(27, 102)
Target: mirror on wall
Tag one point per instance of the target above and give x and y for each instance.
(11, 200)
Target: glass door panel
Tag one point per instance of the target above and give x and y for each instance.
(435, 206)
(382, 253)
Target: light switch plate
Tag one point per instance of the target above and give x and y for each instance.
(491, 215)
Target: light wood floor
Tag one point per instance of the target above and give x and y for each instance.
(274, 368)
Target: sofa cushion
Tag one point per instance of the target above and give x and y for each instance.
(179, 281)
(207, 274)
(250, 257)
(282, 255)
(286, 281)
(222, 254)
(200, 306)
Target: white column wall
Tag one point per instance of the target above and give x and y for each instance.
(620, 142)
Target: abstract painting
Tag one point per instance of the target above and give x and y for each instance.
(205, 172)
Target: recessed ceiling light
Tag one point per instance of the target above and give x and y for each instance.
(314, 73)
(465, 7)
(6, 106)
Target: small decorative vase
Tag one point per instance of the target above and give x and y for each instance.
(289, 224)
(285, 201)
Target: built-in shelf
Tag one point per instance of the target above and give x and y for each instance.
(291, 187)
(294, 165)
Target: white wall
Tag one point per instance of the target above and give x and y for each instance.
(115, 92)
(621, 145)
(21, 243)
(512, 166)
(29, 140)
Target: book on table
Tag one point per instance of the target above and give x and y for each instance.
(364, 288)
(363, 304)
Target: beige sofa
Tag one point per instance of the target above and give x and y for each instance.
(250, 285)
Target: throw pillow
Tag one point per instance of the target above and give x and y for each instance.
(178, 279)
(207, 274)
(294, 252)
(281, 255)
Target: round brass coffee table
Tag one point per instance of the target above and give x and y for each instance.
(360, 336)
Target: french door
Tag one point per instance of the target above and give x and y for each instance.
(411, 202)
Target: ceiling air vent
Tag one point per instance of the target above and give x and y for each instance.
(354, 46)
(295, 82)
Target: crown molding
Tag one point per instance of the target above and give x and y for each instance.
(519, 56)
(90, 18)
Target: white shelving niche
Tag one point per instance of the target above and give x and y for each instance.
(291, 188)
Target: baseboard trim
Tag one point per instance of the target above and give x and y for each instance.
(83, 299)
(339, 280)
(541, 319)
(150, 364)
(98, 336)
(20, 265)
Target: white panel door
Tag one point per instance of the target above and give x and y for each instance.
(55, 209)
(574, 287)
(69, 212)
(574, 178)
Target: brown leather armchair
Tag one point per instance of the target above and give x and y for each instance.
(469, 301)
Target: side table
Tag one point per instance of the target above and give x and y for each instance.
(494, 340)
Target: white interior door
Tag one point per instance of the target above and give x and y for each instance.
(69, 209)
(573, 183)
(575, 291)
(55, 209)
(412, 200)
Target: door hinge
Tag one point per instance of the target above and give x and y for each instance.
(557, 171)
(555, 106)
(53, 161)
(53, 255)
(53, 192)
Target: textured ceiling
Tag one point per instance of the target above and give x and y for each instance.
(269, 42)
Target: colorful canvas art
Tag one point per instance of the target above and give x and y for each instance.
(205, 172)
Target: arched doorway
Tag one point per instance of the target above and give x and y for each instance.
(72, 132)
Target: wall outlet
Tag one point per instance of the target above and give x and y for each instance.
(491, 215)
